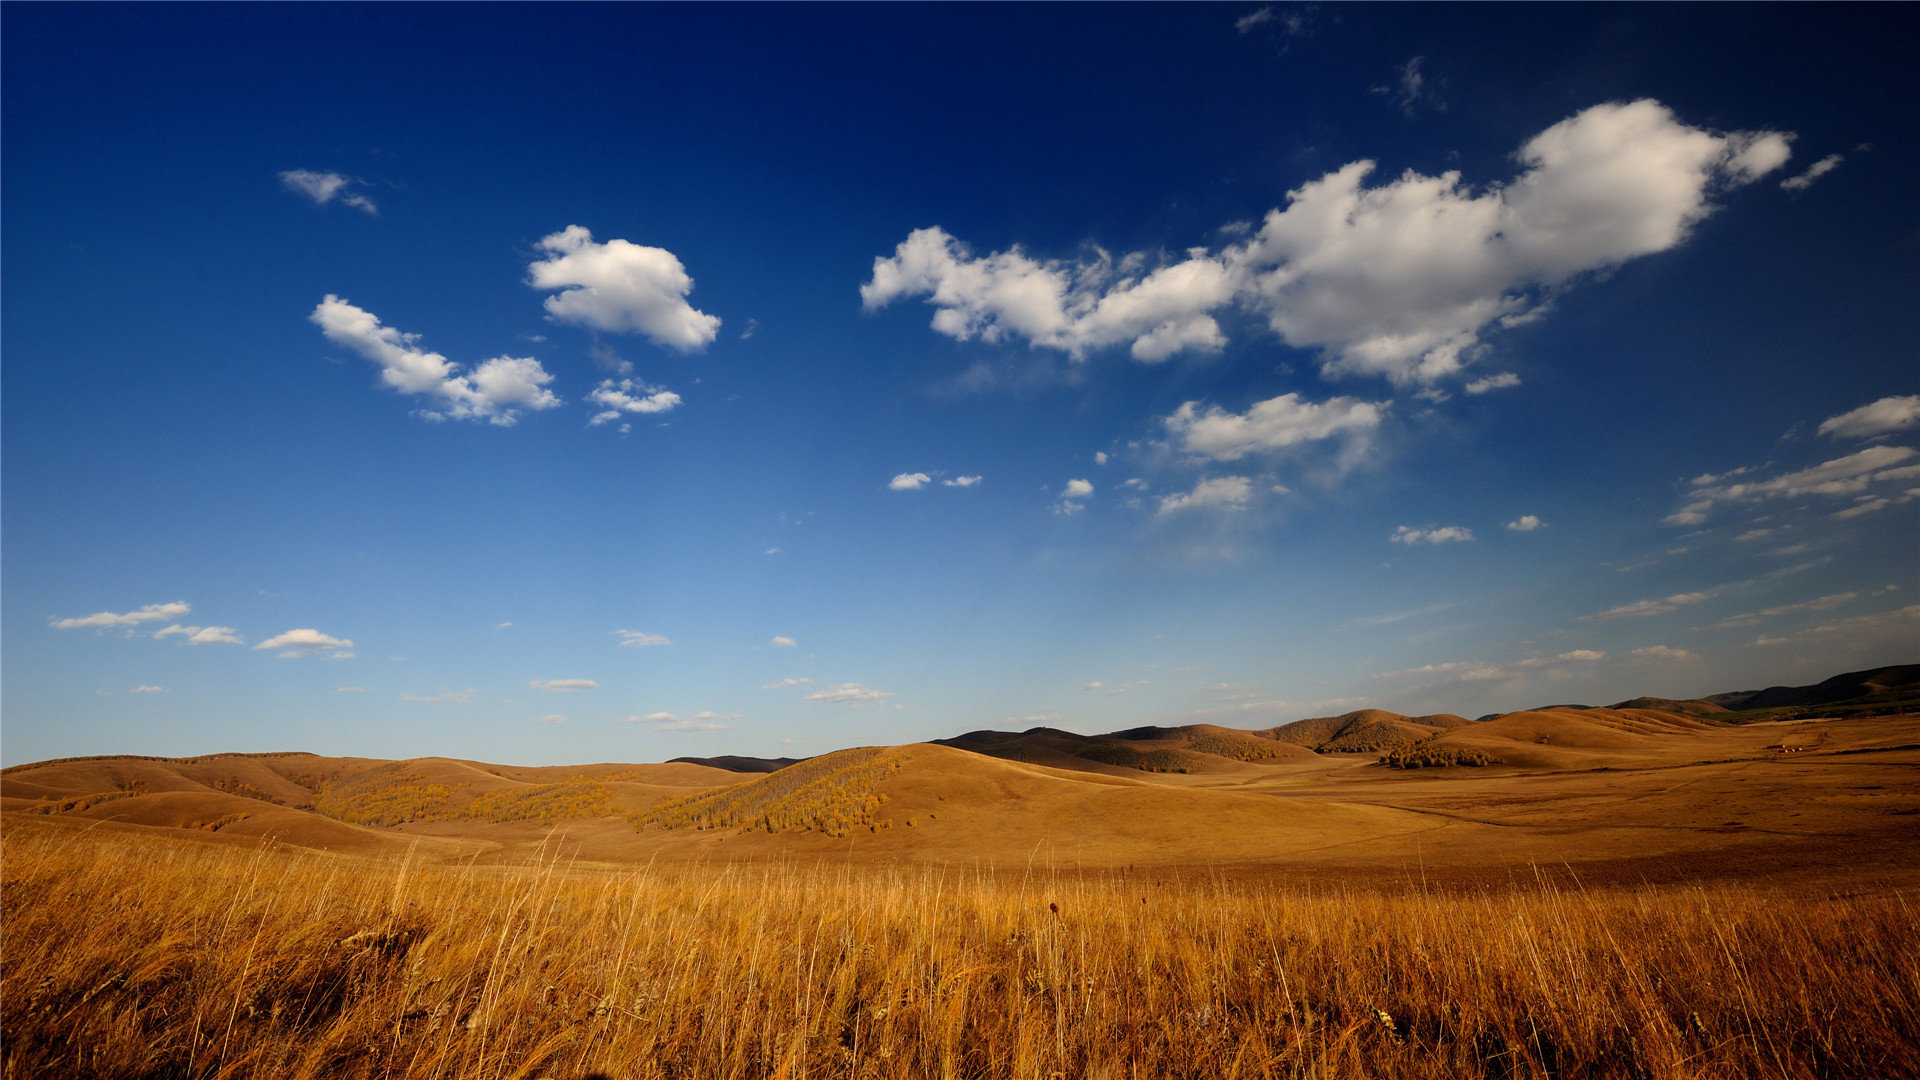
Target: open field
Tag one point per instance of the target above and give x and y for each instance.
(1622, 892)
(141, 956)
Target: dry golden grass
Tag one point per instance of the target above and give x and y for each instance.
(133, 957)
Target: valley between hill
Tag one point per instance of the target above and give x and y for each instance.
(1686, 791)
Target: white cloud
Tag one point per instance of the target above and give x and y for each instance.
(148, 690)
(1252, 19)
(961, 481)
(848, 694)
(781, 641)
(1849, 475)
(1092, 686)
(1660, 652)
(1100, 457)
(1272, 424)
(1072, 307)
(1753, 618)
(629, 396)
(551, 718)
(691, 725)
(1814, 172)
(305, 643)
(785, 683)
(1445, 534)
(461, 697)
(351, 690)
(324, 187)
(1219, 493)
(1501, 381)
(496, 391)
(1857, 626)
(1399, 280)
(908, 481)
(1641, 609)
(1527, 523)
(201, 635)
(561, 686)
(104, 619)
(635, 639)
(620, 286)
(1077, 489)
(1882, 417)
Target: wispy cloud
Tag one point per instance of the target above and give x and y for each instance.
(1849, 475)
(781, 641)
(848, 694)
(1641, 609)
(324, 187)
(637, 639)
(1883, 417)
(1443, 534)
(201, 635)
(460, 697)
(104, 619)
(562, 686)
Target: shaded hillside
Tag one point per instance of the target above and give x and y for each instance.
(739, 764)
(1365, 731)
(1187, 749)
(1881, 691)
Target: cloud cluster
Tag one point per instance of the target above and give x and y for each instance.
(848, 694)
(496, 391)
(1848, 475)
(296, 643)
(627, 396)
(1883, 417)
(104, 619)
(1444, 534)
(1218, 493)
(201, 635)
(1273, 424)
(324, 187)
(1399, 279)
(619, 286)
(1641, 609)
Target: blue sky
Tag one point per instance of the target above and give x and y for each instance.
(561, 384)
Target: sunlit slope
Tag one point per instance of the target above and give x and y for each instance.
(1563, 738)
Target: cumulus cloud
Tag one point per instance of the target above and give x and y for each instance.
(1399, 279)
(307, 642)
(848, 694)
(201, 635)
(908, 481)
(1526, 523)
(1077, 489)
(1073, 307)
(636, 639)
(1445, 534)
(1273, 424)
(781, 641)
(1882, 417)
(104, 619)
(625, 396)
(461, 697)
(1814, 172)
(324, 187)
(961, 482)
(561, 686)
(1641, 609)
(1849, 475)
(497, 391)
(620, 287)
(1218, 493)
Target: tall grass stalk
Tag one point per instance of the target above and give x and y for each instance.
(135, 958)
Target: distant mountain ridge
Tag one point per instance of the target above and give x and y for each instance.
(1855, 693)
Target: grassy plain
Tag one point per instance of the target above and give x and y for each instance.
(146, 957)
(1618, 893)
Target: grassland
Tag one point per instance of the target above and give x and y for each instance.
(140, 957)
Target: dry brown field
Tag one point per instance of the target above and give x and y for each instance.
(1626, 893)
